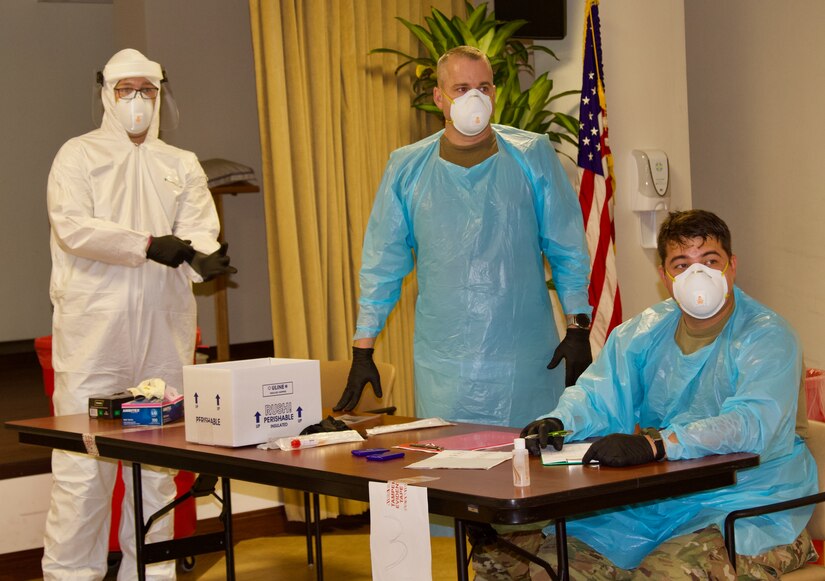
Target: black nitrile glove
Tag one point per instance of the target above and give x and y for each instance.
(575, 349)
(362, 372)
(211, 265)
(329, 424)
(536, 435)
(170, 250)
(620, 450)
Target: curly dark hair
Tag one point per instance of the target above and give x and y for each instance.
(682, 227)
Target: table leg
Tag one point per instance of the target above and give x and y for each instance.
(308, 521)
(316, 506)
(561, 549)
(137, 499)
(227, 528)
(461, 549)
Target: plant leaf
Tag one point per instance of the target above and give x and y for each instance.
(451, 33)
(439, 40)
(503, 34)
(566, 137)
(391, 51)
(539, 92)
(544, 49)
(423, 37)
(569, 122)
(475, 16)
(485, 42)
(520, 53)
(428, 107)
(564, 94)
(469, 38)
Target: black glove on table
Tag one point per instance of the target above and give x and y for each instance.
(362, 372)
(620, 450)
(540, 429)
(170, 250)
(328, 424)
(575, 350)
(211, 265)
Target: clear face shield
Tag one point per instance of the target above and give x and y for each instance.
(169, 114)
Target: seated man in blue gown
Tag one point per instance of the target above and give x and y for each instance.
(709, 371)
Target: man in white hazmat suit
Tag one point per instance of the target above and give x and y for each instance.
(132, 226)
(476, 208)
(710, 371)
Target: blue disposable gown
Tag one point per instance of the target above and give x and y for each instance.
(484, 326)
(738, 394)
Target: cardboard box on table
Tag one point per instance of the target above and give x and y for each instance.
(108, 406)
(240, 403)
(140, 412)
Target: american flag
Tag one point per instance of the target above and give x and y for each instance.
(597, 185)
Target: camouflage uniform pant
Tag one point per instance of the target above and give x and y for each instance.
(695, 556)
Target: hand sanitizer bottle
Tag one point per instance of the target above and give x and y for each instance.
(521, 463)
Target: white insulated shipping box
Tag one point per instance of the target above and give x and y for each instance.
(240, 403)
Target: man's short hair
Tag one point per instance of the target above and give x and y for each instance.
(682, 227)
(469, 52)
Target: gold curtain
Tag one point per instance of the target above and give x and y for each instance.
(330, 114)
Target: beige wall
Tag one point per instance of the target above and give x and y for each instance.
(206, 48)
(49, 53)
(643, 45)
(755, 72)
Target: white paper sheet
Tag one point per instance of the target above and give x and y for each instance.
(399, 532)
(569, 454)
(463, 459)
(415, 425)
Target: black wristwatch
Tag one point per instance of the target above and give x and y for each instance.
(580, 320)
(657, 441)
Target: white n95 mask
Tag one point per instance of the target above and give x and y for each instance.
(135, 114)
(470, 113)
(701, 291)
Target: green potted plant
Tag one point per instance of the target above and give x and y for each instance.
(526, 109)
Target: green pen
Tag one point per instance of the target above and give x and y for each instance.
(560, 433)
(552, 434)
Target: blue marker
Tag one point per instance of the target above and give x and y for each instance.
(369, 452)
(385, 457)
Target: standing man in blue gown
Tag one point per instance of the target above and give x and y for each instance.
(476, 208)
